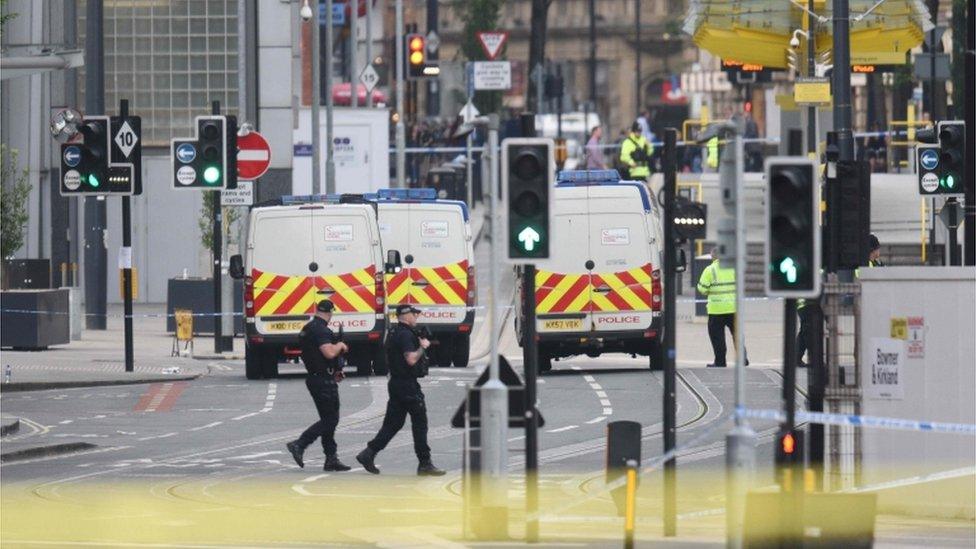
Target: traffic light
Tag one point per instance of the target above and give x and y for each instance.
(690, 219)
(792, 228)
(528, 174)
(849, 214)
(417, 65)
(952, 156)
(203, 162)
(84, 165)
(230, 162)
(789, 446)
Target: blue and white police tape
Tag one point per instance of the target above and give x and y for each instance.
(872, 422)
(170, 315)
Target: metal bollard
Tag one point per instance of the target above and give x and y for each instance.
(631, 504)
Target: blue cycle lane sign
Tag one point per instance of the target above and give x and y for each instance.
(929, 159)
(185, 153)
(72, 156)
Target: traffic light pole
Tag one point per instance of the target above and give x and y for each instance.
(95, 256)
(790, 462)
(127, 265)
(531, 361)
(667, 350)
(215, 248)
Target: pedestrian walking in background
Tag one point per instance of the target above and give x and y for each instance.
(635, 154)
(594, 150)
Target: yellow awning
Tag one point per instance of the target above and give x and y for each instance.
(759, 31)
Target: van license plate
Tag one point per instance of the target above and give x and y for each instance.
(285, 326)
(563, 324)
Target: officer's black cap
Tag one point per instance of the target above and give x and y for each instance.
(873, 242)
(325, 306)
(405, 308)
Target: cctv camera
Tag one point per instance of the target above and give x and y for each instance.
(306, 11)
(794, 42)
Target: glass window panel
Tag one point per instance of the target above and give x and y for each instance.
(216, 62)
(181, 26)
(162, 62)
(123, 64)
(181, 81)
(199, 100)
(123, 81)
(198, 62)
(198, 26)
(123, 44)
(216, 7)
(143, 44)
(161, 82)
(180, 44)
(198, 44)
(198, 81)
(143, 27)
(217, 80)
(217, 44)
(198, 8)
(181, 100)
(120, 26)
(160, 45)
(160, 25)
(143, 100)
(216, 25)
(232, 43)
(180, 63)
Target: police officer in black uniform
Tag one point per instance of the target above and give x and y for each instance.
(320, 353)
(407, 361)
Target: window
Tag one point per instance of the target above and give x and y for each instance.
(165, 57)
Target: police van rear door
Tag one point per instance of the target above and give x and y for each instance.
(439, 261)
(620, 248)
(563, 281)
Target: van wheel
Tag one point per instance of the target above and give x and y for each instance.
(253, 358)
(269, 363)
(654, 355)
(545, 362)
(380, 367)
(462, 351)
(444, 353)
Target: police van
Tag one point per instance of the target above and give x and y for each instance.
(432, 237)
(600, 290)
(300, 250)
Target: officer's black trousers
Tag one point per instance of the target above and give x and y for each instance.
(325, 394)
(716, 332)
(405, 398)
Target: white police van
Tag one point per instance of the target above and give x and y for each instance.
(300, 250)
(434, 241)
(601, 289)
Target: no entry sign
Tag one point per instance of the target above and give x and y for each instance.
(253, 156)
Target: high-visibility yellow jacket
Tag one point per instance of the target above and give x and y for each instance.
(634, 142)
(712, 147)
(718, 284)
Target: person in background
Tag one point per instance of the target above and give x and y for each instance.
(874, 257)
(594, 151)
(635, 154)
(717, 284)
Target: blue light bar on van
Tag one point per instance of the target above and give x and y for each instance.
(406, 194)
(588, 176)
(289, 200)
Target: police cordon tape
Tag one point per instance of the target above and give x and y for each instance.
(874, 422)
(778, 415)
(166, 315)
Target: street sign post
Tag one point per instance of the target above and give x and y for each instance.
(369, 77)
(253, 156)
(492, 42)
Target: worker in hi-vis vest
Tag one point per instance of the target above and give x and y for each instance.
(717, 283)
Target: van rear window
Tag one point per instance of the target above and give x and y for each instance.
(288, 244)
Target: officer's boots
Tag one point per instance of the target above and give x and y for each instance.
(427, 469)
(365, 458)
(332, 463)
(297, 452)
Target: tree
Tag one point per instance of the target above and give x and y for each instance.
(537, 43)
(229, 218)
(479, 16)
(14, 191)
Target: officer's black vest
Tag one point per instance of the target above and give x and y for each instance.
(394, 354)
(315, 362)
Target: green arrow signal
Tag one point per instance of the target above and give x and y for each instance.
(788, 268)
(529, 237)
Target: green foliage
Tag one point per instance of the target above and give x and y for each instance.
(14, 191)
(479, 16)
(229, 220)
(6, 17)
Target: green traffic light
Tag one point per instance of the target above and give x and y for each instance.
(950, 182)
(528, 238)
(93, 181)
(788, 268)
(211, 175)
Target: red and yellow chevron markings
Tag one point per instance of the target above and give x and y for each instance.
(353, 292)
(440, 285)
(628, 290)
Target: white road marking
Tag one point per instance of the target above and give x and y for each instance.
(601, 394)
(605, 402)
(86, 435)
(167, 435)
(268, 403)
(513, 439)
(597, 420)
(315, 477)
(607, 411)
(207, 426)
(561, 429)
(589, 379)
(67, 421)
